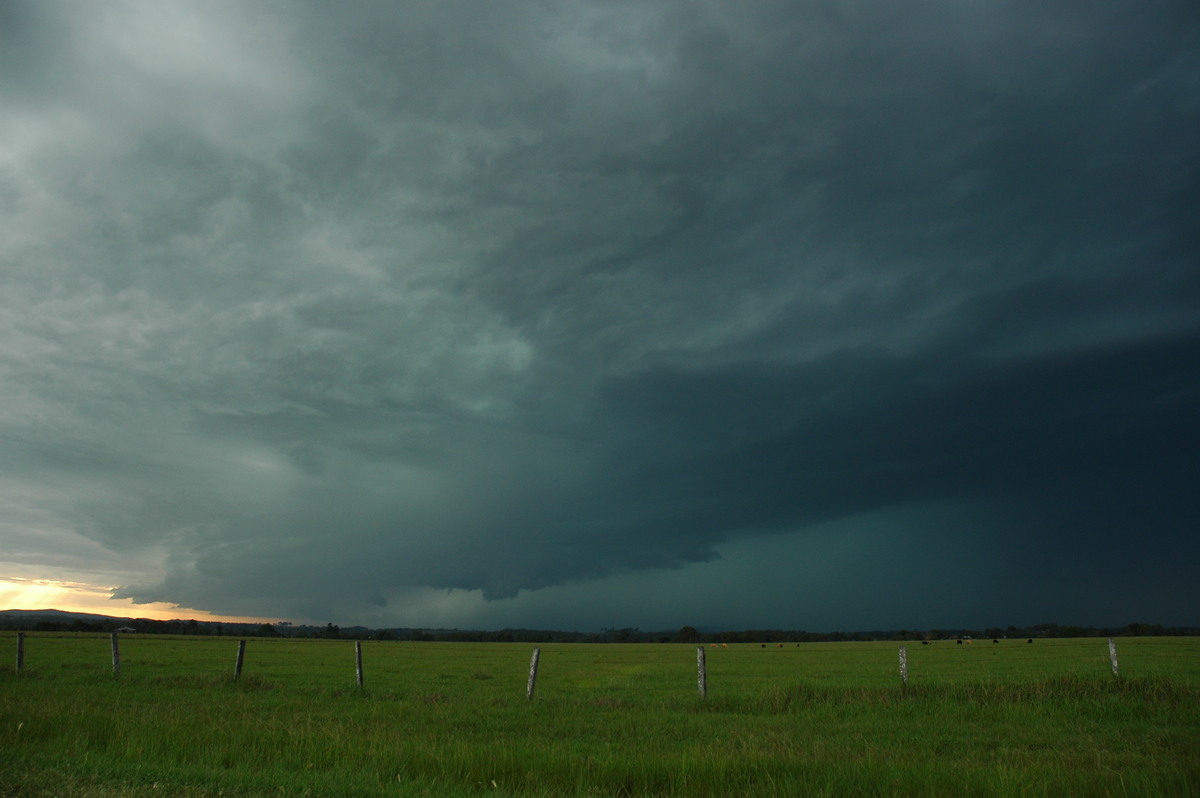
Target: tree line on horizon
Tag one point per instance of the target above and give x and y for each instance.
(686, 634)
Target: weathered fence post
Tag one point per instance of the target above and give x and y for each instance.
(533, 663)
(241, 656)
(20, 651)
(1112, 656)
(358, 671)
(116, 654)
(904, 665)
(701, 673)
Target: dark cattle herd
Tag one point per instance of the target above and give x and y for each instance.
(959, 641)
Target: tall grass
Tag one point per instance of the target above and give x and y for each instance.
(452, 719)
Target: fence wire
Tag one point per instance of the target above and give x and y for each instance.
(598, 670)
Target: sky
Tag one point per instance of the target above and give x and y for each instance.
(824, 315)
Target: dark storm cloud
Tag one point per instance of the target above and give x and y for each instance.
(330, 312)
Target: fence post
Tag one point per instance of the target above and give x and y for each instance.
(241, 656)
(116, 656)
(1112, 656)
(20, 651)
(904, 665)
(533, 665)
(701, 673)
(358, 671)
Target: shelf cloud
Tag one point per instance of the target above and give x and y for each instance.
(582, 314)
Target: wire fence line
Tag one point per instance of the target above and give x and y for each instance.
(597, 669)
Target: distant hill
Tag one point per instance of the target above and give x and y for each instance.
(60, 620)
(59, 615)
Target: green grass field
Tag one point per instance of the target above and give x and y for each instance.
(448, 719)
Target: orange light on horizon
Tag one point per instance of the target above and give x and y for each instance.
(39, 594)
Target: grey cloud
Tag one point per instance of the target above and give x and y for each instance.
(334, 309)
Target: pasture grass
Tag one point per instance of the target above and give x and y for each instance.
(452, 719)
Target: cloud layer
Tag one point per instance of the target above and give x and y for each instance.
(573, 314)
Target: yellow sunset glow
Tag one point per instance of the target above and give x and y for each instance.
(38, 594)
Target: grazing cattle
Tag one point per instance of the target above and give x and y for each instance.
(779, 645)
(724, 645)
(924, 642)
(958, 641)
(764, 645)
(995, 641)
(1030, 640)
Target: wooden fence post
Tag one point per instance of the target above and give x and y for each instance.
(20, 651)
(116, 656)
(904, 665)
(533, 665)
(358, 671)
(241, 656)
(1112, 656)
(701, 673)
